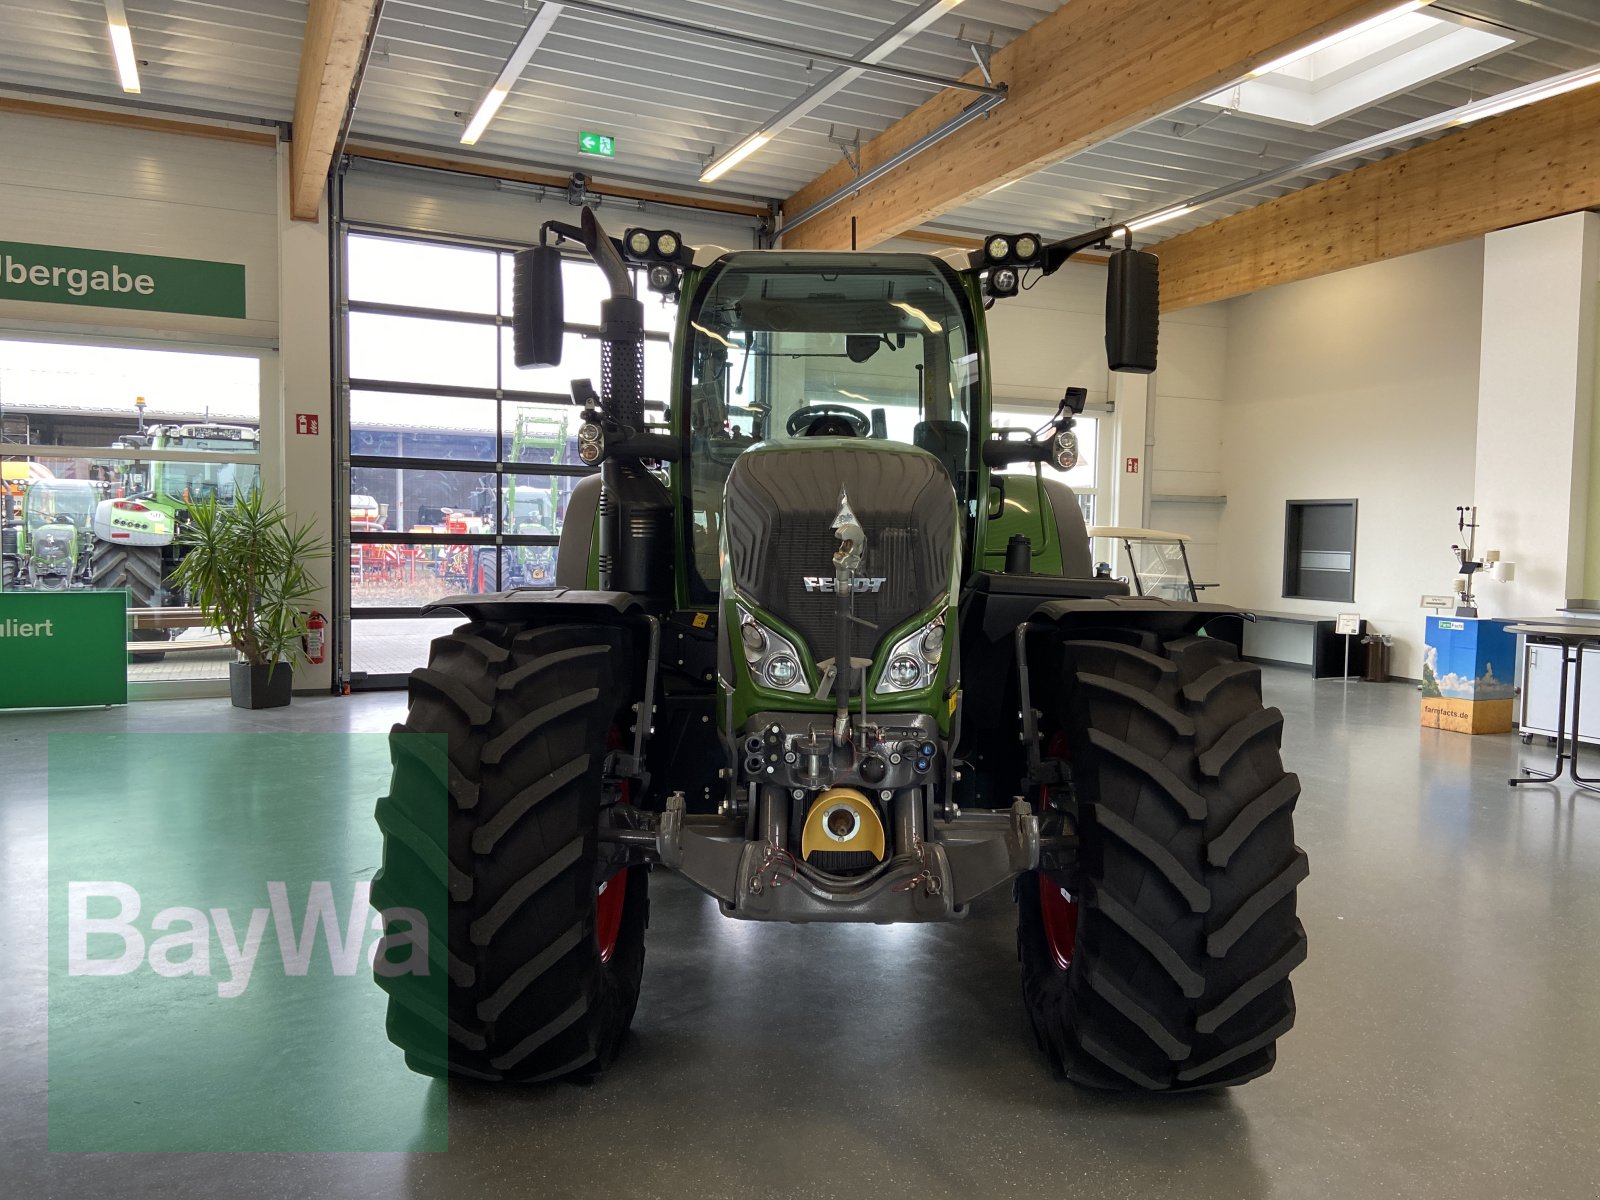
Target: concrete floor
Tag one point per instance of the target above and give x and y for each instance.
(1448, 1042)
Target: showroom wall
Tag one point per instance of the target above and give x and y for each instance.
(1362, 384)
(139, 191)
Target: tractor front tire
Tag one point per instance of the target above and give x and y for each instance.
(138, 569)
(1162, 963)
(543, 967)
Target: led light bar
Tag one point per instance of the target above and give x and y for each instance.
(1477, 110)
(826, 88)
(492, 99)
(122, 45)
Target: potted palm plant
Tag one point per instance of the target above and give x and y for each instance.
(247, 568)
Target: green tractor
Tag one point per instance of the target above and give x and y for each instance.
(526, 508)
(136, 534)
(815, 650)
(50, 547)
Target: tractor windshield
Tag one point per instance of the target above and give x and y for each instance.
(798, 345)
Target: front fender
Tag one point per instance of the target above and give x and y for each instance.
(542, 606)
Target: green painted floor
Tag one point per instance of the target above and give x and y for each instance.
(1448, 1042)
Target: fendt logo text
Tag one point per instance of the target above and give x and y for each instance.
(826, 583)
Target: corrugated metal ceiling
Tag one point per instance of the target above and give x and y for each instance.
(672, 99)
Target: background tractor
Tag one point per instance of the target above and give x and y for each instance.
(136, 534)
(50, 543)
(811, 649)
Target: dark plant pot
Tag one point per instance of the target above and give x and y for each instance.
(249, 687)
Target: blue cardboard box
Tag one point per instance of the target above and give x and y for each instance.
(1468, 671)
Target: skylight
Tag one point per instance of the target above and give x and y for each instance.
(1373, 62)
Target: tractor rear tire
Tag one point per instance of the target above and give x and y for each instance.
(1176, 975)
(8, 574)
(138, 569)
(530, 993)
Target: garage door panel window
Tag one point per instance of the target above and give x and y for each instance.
(422, 350)
(430, 390)
(437, 275)
(422, 426)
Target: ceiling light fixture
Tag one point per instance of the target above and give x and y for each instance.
(828, 87)
(1477, 110)
(122, 45)
(1333, 39)
(1495, 105)
(1156, 218)
(717, 169)
(492, 99)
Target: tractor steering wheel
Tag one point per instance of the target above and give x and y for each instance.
(827, 420)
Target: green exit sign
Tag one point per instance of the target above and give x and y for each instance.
(602, 145)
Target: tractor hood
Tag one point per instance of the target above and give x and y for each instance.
(782, 502)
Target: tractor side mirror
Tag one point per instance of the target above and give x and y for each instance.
(1133, 310)
(536, 307)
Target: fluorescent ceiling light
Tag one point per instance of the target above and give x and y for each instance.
(122, 45)
(1495, 105)
(1333, 39)
(911, 310)
(1166, 214)
(734, 157)
(492, 99)
(828, 86)
(1490, 106)
(854, 396)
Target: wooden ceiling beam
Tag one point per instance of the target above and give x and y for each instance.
(136, 120)
(1087, 72)
(1525, 165)
(336, 31)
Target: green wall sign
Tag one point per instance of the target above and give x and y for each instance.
(60, 649)
(110, 279)
(601, 145)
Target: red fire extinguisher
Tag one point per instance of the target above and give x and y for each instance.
(314, 642)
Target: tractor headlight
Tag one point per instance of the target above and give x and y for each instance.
(662, 244)
(663, 278)
(755, 640)
(1065, 450)
(1003, 281)
(997, 248)
(914, 659)
(773, 659)
(1027, 247)
(904, 672)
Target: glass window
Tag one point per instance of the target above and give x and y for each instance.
(69, 523)
(415, 425)
(789, 346)
(477, 464)
(67, 394)
(421, 350)
(387, 270)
